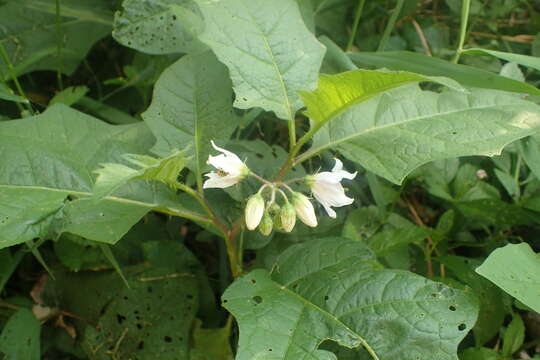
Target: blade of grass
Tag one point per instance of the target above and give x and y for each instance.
(390, 25)
(354, 30)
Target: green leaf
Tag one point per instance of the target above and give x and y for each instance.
(492, 306)
(46, 179)
(30, 33)
(530, 148)
(513, 336)
(69, 96)
(480, 354)
(428, 65)
(248, 36)
(111, 176)
(191, 107)
(159, 27)
(20, 337)
(395, 133)
(333, 289)
(515, 268)
(7, 94)
(153, 317)
(211, 344)
(337, 93)
(530, 61)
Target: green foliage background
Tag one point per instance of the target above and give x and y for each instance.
(111, 249)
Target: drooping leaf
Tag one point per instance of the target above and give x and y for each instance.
(20, 337)
(69, 96)
(396, 132)
(515, 268)
(7, 94)
(334, 289)
(159, 27)
(336, 93)
(191, 107)
(428, 65)
(30, 33)
(47, 178)
(266, 70)
(111, 176)
(530, 61)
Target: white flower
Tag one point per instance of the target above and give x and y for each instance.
(230, 170)
(254, 211)
(304, 209)
(327, 189)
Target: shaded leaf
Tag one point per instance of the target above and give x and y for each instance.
(530, 61)
(334, 289)
(20, 337)
(159, 27)
(266, 70)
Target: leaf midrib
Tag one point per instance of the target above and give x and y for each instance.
(314, 151)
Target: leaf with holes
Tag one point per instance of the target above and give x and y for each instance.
(46, 178)
(334, 289)
(29, 33)
(515, 268)
(159, 27)
(268, 50)
(396, 132)
(191, 106)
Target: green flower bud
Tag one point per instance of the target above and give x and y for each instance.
(266, 224)
(287, 217)
(274, 209)
(254, 211)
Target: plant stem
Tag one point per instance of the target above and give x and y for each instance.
(59, 47)
(354, 30)
(390, 25)
(516, 176)
(13, 75)
(292, 133)
(465, 7)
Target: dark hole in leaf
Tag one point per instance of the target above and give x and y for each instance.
(141, 345)
(269, 349)
(136, 312)
(257, 299)
(149, 289)
(326, 298)
(189, 296)
(139, 326)
(126, 298)
(181, 339)
(462, 327)
(253, 281)
(260, 156)
(120, 318)
(452, 308)
(171, 318)
(454, 133)
(434, 294)
(167, 339)
(174, 17)
(225, 301)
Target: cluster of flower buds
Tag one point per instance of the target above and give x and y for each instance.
(267, 214)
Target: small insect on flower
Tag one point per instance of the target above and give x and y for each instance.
(230, 170)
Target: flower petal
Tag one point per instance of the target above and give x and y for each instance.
(221, 182)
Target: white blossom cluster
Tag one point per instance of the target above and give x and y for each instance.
(268, 214)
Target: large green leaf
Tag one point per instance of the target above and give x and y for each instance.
(515, 268)
(29, 33)
(20, 337)
(268, 50)
(428, 65)
(46, 177)
(191, 106)
(333, 289)
(530, 61)
(398, 131)
(159, 27)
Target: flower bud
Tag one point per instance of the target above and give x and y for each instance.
(274, 209)
(266, 225)
(304, 209)
(254, 211)
(287, 217)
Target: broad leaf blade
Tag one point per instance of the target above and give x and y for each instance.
(266, 70)
(20, 337)
(191, 106)
(50, 157)
(338, 92)
(30, 33)
(428, 65)
(334, 289)
(515, 268)
(395, 133)
(159, 27)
